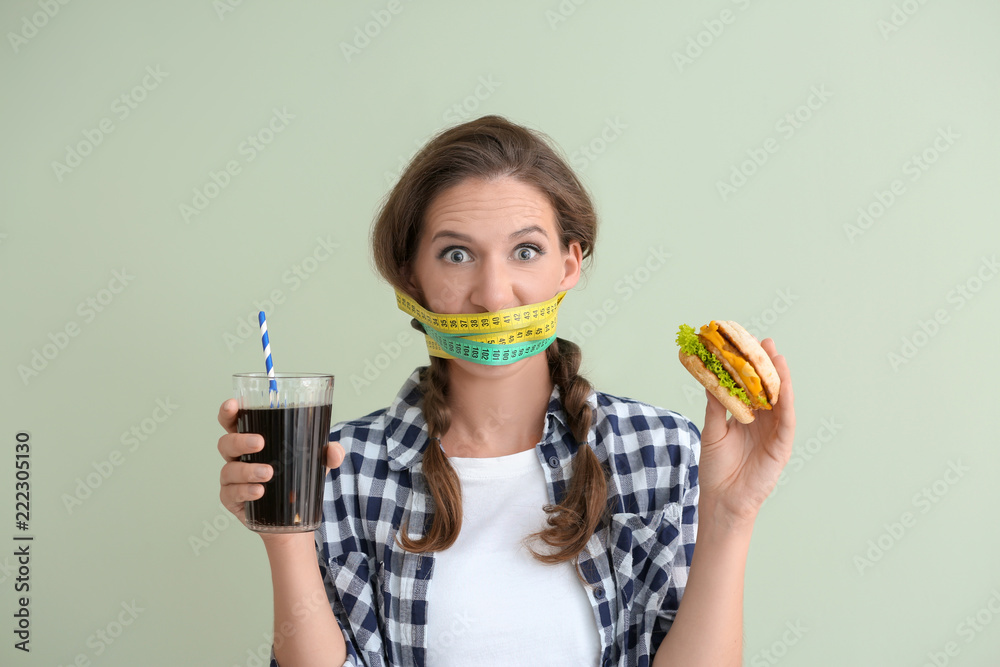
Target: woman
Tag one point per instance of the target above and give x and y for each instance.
(508, 513)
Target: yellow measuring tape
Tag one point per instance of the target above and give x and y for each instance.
(493, 338)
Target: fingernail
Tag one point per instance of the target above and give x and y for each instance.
(262, 472)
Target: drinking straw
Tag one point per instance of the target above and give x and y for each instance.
(272, 393)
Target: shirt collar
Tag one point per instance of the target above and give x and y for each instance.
(406, 430)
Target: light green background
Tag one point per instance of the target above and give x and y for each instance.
(571, 71)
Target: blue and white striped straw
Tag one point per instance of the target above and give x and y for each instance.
(272, 393)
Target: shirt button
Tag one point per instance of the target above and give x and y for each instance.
(599, 593)
(553, 462)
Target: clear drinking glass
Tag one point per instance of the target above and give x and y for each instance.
(296, 429)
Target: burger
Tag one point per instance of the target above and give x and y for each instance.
(732, 365)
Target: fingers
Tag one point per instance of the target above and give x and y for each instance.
(237, 507)
(227, 415)
(780, 365)
(334, 455)
(714, 409)
(768, 345)
(241, 482)
(234, 445)
(784, 407)
(237, 472)
(234, 495)
(715, 420)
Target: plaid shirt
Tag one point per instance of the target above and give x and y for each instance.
(637, 564)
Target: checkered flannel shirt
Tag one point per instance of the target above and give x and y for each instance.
(637, 564)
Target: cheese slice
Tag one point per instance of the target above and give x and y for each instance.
(742, 366)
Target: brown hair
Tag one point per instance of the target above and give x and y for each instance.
(488, 148)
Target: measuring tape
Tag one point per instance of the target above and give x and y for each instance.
(500, 337)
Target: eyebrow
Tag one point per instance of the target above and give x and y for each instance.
(446, 233)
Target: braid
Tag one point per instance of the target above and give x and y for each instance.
(442, 480)
(573, 521)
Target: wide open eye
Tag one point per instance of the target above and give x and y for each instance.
(527, 252)
(454, 254)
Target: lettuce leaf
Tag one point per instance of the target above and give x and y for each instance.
(689, 343)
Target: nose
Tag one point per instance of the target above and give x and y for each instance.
(492, 289)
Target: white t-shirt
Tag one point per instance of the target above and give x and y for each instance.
(490, 602)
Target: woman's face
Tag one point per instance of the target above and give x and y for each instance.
(490, 245)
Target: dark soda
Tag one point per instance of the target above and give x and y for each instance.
(294, 445)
